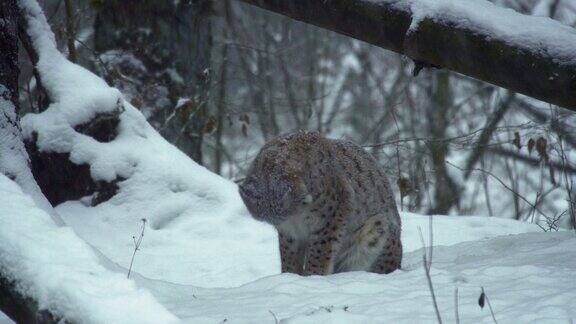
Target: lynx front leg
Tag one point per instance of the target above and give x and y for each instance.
(291, 254)
(324, 245)
(321, 253)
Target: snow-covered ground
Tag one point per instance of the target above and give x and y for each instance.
(211, 242)
(527, 274)
(213, 263)
(528, 279)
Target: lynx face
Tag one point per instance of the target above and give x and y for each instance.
(271, 192)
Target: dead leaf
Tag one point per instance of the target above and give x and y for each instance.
(516, 140)
(245, 118)
(542, 148)
(405, 186)
(210, 125)
(244, 130)
(482, 299)
(531, 144)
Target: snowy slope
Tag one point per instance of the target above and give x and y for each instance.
(197, 232)
(60, 271)
(201, 243)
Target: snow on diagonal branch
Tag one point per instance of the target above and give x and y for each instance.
(535, 56)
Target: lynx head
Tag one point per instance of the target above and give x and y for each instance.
(273, 189)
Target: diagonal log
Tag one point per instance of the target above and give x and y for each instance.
(539, 69)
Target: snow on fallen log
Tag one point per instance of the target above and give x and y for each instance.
(535, 56)
(65, 141)
(51, 265)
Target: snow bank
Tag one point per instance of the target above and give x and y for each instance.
(528, 279)
(450, 230)
(56, 268)
(197, 231)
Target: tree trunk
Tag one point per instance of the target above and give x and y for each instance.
(13, 158)
(14, 161)
(157, 57)
(486, 135)
(446, 193)
(221, 112)
(444, 43)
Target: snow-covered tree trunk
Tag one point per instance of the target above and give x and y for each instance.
(13, 158)
(14, 162)
(535, 56)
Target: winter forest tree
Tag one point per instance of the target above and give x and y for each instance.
(474, 117)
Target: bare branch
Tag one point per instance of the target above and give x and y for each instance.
(444, 43)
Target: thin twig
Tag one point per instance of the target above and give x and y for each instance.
(568, 185)
(456, 313)
(431, 240)
(503, 184)
(489, 305)
(137, 245)
(427, 266)
(276, 321)
(447, 139)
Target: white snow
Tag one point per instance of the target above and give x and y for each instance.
(4, 319)
(540, 35)
(528, 279)
(60, 271)
(213, 242)
(68, 85)
(204, 260)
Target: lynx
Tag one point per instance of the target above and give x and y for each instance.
(330, 202)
